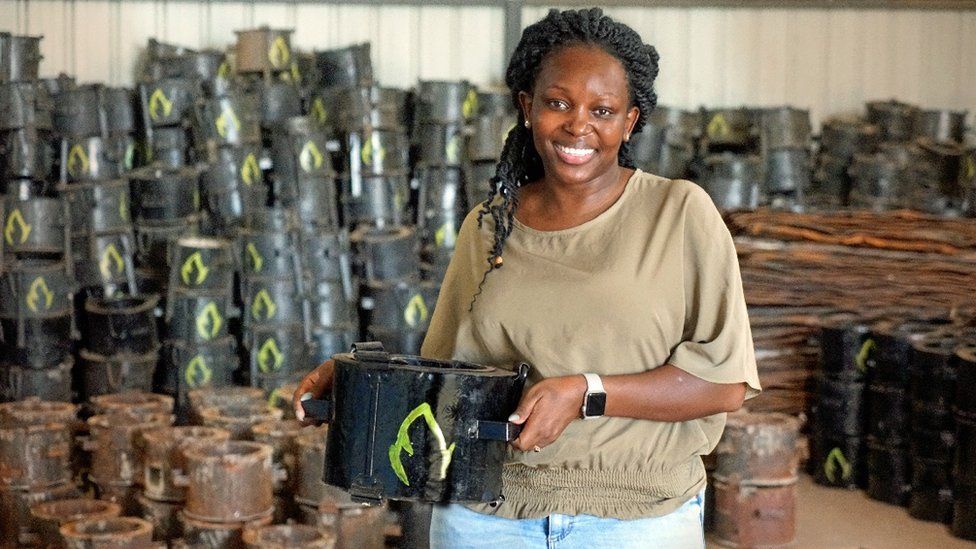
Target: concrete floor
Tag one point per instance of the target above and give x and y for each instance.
(829, 518)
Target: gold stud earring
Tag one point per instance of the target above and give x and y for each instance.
(627, 137)
(528, 124)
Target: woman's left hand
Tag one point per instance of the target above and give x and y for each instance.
(546, 409)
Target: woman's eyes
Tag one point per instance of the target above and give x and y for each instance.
(559, 105)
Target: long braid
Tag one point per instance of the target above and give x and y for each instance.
(519, 162)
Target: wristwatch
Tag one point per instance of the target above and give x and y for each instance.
(595, 399)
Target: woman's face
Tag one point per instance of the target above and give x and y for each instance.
(580, 111)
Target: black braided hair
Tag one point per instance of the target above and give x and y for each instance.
(520, 163)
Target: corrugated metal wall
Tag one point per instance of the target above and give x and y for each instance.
(830, 60)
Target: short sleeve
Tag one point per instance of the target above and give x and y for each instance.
(457, 289)
(717, 342)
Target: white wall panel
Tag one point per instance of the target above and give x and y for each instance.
(828, 60)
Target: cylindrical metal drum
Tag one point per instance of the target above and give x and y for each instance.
(198, 316)
(164, 194)
(164, 460)
(733, 180)
(238, 416)
(34, 456)
(456, 458)
(22, 57)
(214, 535)
(104, 374)
(35, 225)
(345, 67)
(96, 158)
(785, 127)
(51, 515)
(263, 50)
(288, 536)
(896, 120)
(281, 435)
(758, 449)
(133, 402)
(169, 101)
(125, 324)
(444, 102)
(121, 532)
(202, 263)
(233, 119)
(386, 254)
(115, 440)
(755, 516)
(228, 481)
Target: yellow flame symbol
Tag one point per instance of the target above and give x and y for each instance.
(861, 360)
(198, 373)
(403, 444)
(256, 260)
(123, 208)
(279, 53)
(209, 321)
(37, 289)
(416, 311)
(16, 221)
(318, 111)
(263, 300)
(970, 168)
(194, 262)
(157, 101)
(718, 127)
(296, 75)
(277, 395)
(196, 198)
(445, 236)
(78, 162)
(453, 149)
(226, 120)
(835, 461)
(250, 169)
(311, 157)
(371, 153)
(223, 71)
(470, 105)
(270, 358)
(130, 156)
(109, 256)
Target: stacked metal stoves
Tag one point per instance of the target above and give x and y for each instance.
(494, 120)
(892, 360)
(840, 140)
(930, 395)
(272, 291)
(27, 155)
(35, 449)
(731, 170)
(162, 455)
(786, 139)
(115, 439)
(836, 455)
(666, 145)
(200, 349)
(963, 465)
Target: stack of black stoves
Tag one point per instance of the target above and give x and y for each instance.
(730, 168)
(666, 144)
(963, 464)
(836, 455)
(840, 140)
(272, 291)
(442, 114)
(786, 139)
(894, 357)
(200, 349)
(494, 120)
(36, 284)
(898, 156)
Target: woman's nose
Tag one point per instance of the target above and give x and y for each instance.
(577, 122)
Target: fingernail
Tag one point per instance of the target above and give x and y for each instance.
(300, 414)
(513, 417)
(306, 396)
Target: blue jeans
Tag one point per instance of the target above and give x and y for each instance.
(457, 527)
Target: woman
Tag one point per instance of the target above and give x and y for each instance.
(593, 268)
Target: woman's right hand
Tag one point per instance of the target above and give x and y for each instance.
(314, 385)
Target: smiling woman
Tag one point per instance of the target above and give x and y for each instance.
(621, 288)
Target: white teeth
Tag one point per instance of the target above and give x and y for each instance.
(574, 152)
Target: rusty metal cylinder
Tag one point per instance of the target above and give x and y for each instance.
(238, 418)
(264, 49)
(210, 397)
(230, 481)
(133, 402)
(163, 515)
(214, 535)
(17, 526)
(114, 443)
(280, 435)
(309, 463)
(754, 516)
(356, 526)
(35, 456)
(127, 532)
(758, 448)
(164, 460)
(33, 411)
(51, 515)
(286, 536)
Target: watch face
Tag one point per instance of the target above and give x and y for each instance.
(596, 403)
